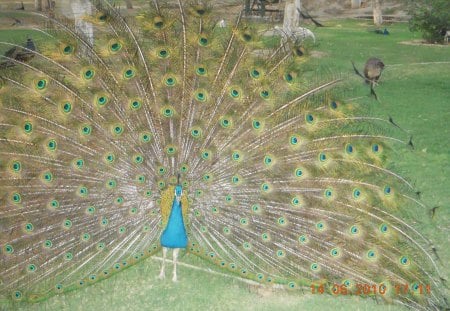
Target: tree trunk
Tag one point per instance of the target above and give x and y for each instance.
(291, 15)
(247, 7)
(129, 4)
(377, 14)
(38, 5)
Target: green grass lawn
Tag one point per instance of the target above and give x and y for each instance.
(415, 95)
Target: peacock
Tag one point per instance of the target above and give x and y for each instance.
(169, 130)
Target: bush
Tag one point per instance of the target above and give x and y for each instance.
(431, 17)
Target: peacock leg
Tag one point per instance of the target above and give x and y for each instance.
(162, 274)
(175, 256)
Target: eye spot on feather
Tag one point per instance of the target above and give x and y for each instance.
(371, 254)
(16, 166)
(184, 168)
(66, 107)
(354, 230)
(158, 22)
(335, 252)
(309, 118)
(257, 124)
(281, 221)
(85, 237)
(206, 155)
(357, 193)
(387, 190)
(51, 145)
(236, 156)
(53, 204)
(110, 158)
(68, 256)
(256, 208)
(234, 93)
(102, 100)
(135, 105)
(83, 191)
(28, 227)
(161, 170)
(265, 94)
(41, 84)
(16, 198)
(90, 210)
(235, 180)
(243, 221)
(68, 49)
(115, 47)
(117, 129)
(266, 188)
(170, 81)
(17, 295)
(119, 200)
(349, 149)
(320, 226)
(299, 172)
(129, 73)
(322, 157)
(86, 130)
(315, 267)
(404, 261)
(203, 41)
(28, 127)
(289, 77)
(111, 184)
(255, 73)
(201, 71)
(333, 105)
(328, 193)
(295, 201)
(384, 228)
(67, 224)
(226, 230)
(196, 132)
(163, 53)
(171, 150)
(265, 237)
(89, 74)
(47, 177)
(200, 96)
(229, 198)
(145, 137)
(269, 161)
(280, 253)
(294, 140)
(376, 148)
(167, 112)
(104, 221)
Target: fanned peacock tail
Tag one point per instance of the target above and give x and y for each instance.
(286, 183)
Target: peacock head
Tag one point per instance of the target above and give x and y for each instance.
(178, 192)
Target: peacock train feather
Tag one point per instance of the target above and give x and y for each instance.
(283, 182)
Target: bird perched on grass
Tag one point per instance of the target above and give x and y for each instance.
(280, 180)
(18, 53)
(372, 72)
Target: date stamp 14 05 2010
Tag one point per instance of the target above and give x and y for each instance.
(373, 289)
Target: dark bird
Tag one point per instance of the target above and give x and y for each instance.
(306, 15)
(16, 21)
(372, 73)
(22, 54)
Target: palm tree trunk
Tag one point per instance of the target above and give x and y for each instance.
(38, 5)
(377, 14)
